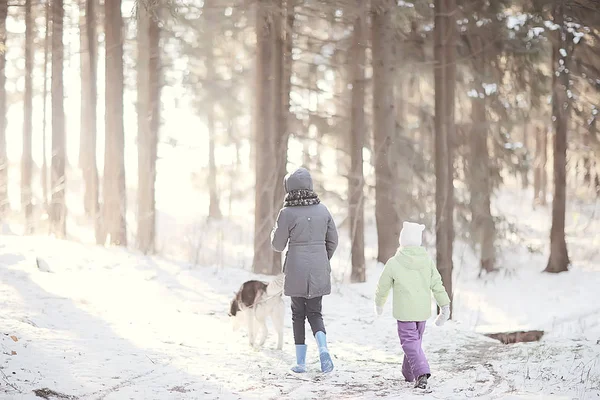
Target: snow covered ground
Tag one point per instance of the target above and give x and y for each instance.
(95, 323)
(107, 324)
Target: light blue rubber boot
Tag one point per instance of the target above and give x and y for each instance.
(300, 366)
(326, 362)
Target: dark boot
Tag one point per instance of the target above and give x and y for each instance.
(422, 382)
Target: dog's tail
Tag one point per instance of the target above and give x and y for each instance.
(275, 287)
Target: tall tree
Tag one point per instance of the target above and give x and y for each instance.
(384, 128)
(26, 157)
(284, 25)
(58, 208)
(114, 206)
(44, 172)
(4, 204)
(445, 80)
(264, 133)
(539, 172)
(214, 208)
(89, 101)
(148, 126)
(357, 142)
(483, 229)
(561, 108)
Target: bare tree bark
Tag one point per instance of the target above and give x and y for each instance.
(384, 129)
(58, 214)
(89, 101)
(356, 179)
(483, 228)
(536, 166)
(264, 134)
(214, 208)
(26, 157)
(44, 173)
(445, 79)
(539, 172)
(561, 108)
(544, 169)
(4, 202)
(283, 66)
(85, 87)
(114, 207)
(148, 83)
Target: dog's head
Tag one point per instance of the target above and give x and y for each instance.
(234, 307)
(235, 314)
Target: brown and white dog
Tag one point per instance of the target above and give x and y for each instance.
(256, 301)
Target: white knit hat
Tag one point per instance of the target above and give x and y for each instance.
(411, 234)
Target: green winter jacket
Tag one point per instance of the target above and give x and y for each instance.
(412, 274)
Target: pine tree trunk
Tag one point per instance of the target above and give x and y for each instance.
(214, 209)
(264, 134)
(561, 108)
(384, 128)
(483, 228)
(114, 197)
(85, 88)
(356, 180)
(543, 168)
(26, 157)
(148, 124)
(444, 52)
(283, 66)
(4, 202)
(58, 208)
(523, 164)
(44, 172)
(537, 173)
(89, 101)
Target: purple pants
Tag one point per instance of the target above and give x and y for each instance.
(411, 338)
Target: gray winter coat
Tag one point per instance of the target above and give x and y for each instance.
(312, 237)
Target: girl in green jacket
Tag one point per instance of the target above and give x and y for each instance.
(413, 276)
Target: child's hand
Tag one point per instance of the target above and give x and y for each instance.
(378, 310)
(443, 315)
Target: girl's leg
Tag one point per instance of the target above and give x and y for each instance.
(298, 317)
(411, 334)
(315, 319)
(313, 313)
(407, 370)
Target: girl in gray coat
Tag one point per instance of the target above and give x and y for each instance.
(307, 228)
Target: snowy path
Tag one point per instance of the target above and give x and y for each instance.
(105, 324)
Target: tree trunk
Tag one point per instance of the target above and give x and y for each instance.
(561, 108)
(523, 164)
(483, 228)
(537, 173)
(85, 87)
(44, 171)
(283, 67)
(89, 101)
(356, 179)
(114, 205)
(214, 209)
(543, 168)
(264, 134)
(4, 202)
(148, 83)
(58, 209)
(445, 78)
(384, 128)
(26, 158)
